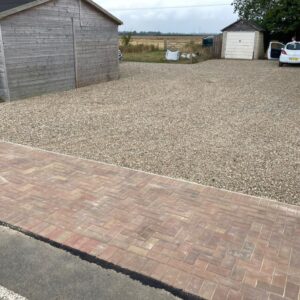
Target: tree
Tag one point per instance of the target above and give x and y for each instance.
(126, 38)
(276, 16)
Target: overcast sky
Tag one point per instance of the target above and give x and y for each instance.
(184, 20)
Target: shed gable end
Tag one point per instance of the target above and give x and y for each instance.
(243, 25)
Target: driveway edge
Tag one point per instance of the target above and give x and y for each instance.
(145, 280)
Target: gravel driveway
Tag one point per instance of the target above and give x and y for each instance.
(229, 124)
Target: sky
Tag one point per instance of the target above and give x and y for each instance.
(210, 19)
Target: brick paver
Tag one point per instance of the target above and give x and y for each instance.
(208, 242)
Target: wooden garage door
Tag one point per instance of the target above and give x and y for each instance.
(240, 45)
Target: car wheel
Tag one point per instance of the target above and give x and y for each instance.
(280, 64)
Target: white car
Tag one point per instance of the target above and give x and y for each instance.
(290, 54)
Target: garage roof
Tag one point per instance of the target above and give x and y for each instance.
(243, 25)
(10, 7)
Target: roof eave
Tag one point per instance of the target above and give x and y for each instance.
(256, 27)
(224, 29)
(20, 8)
(105, 12)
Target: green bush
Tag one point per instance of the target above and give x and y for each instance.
(138, 48)
(192, 47)
(126, 39)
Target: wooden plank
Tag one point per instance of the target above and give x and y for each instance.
(80, 16)
(96, 47)
(4, 93)
(43, 88)
(43, 56)
(75, 53)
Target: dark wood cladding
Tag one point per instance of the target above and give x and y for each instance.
(243, 25)
(9, 4)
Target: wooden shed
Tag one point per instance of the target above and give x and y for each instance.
(55, 45)
(243, 40)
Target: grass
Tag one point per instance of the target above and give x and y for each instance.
(153, 57)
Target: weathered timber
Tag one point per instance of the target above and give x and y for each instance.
(57, 45)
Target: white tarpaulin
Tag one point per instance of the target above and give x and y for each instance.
(172, 55)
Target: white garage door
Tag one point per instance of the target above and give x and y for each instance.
(240, 45)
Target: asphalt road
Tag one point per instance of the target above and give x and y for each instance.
(36, 270)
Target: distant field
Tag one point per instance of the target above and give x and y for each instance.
(164, 42)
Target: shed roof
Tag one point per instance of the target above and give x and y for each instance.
(243, 25)
(10, 7)
(9, 4)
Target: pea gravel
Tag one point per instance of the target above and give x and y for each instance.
(229, 124)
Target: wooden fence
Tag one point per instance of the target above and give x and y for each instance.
(216, 49)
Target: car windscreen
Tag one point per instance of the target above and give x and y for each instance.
(294, 46)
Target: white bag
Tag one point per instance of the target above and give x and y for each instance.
(183, 55)
(172, 55)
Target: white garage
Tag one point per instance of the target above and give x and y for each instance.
(243, 40)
